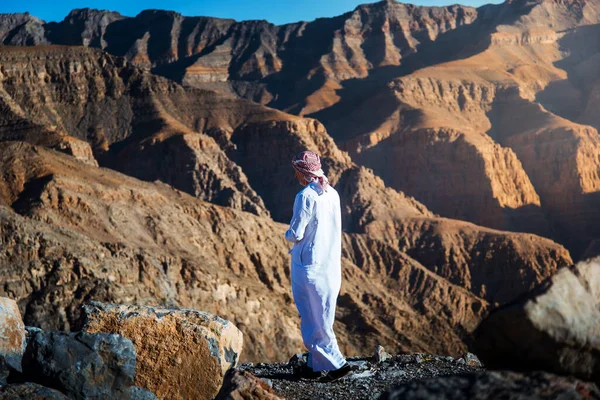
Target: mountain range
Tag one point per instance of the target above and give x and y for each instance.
(464, 144)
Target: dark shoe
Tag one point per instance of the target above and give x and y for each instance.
(306, 372)
(332, 376)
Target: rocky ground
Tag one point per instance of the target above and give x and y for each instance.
(369, 381)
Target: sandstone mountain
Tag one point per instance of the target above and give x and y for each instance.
(485, 115)
(504, 133)
(75, 232)
(174, 189)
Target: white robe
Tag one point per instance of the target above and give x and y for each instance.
(316, 231)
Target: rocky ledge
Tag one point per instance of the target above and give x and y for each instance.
(370, 380)
(549, 336)
(406, 377)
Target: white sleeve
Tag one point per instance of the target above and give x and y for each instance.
(303, 209)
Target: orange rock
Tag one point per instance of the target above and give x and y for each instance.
(181, 354)
(12, 333)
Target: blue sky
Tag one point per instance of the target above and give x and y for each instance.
(276, 11)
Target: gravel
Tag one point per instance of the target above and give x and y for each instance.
(369, 381)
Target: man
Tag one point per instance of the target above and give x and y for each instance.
(316, 231)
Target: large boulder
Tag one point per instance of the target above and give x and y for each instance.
(12, 333)
(181, 354)
(81, 365)
(242, 385)
(30, 391)
(556, 328)
(495, 385)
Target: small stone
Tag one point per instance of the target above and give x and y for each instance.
(298, 360)
(381, 355)
(12, 333)
(471, 360)
(421, 358)
(268, 382)
(243, 385)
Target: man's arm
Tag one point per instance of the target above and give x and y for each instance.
(303, 207)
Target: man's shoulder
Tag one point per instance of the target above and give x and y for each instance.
(307, 193)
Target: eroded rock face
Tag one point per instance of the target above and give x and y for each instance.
(81, 365)
(131, 120)
(493, 384)
(496, 136)
(12, 333)
(556, 328)
(239, 385)
(86, 233)
(77, 148)
(418, 94)
(210, 52)
(181, 354)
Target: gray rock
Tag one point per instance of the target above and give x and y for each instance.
(495, 385)
(81, 365)
(556, 328)
(30, 391)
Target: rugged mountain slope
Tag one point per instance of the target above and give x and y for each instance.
(72, 232)
(200, 142)
(49, 92)
(256, 59)
(153, 129)
(85, 232)
(480, 139)
(437, 133)
(91, 233)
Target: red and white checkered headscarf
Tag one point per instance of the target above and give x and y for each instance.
(308, 164)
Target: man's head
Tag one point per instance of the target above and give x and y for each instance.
(307, 166)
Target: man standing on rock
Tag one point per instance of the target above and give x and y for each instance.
(316, 231)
